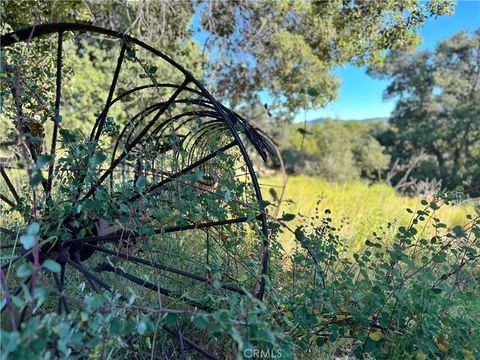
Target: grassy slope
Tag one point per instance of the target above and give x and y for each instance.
(365, 208)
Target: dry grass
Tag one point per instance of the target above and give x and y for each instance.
(360, 208)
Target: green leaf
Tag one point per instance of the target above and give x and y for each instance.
(228, 195)
(333, 336)
(263, 204)
(312, 92)
(361, 336)
(68, 136)
(141, 327)
(458, 230)
(434, 205)
(131, 53)
(36, 179)
(40, 294)
(42, 160)
(217, 284)
(197, 176)
(52, 265)
(141, 182)
(299, 234)
(273, 193)
(27, 241)
(171, 319)
(441, 257)
(33, 228)
(288, 217)
(97, 158)
(25, 270)
(304, 131)
(152, 69)
(115, 326)
(201, 321)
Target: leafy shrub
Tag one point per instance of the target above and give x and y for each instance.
(416, 295)
(338, 151)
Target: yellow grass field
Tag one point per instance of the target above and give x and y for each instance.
(364, 208)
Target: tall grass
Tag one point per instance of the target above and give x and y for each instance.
(357, 208)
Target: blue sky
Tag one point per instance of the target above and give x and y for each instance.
(360, 96)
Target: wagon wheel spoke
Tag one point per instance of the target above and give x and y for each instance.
(7, 200)
(160, 129)
(195, 141)
(167, 293)
(135, 142)
(157, 131)
(150, 86)
(104, 285)
(60, 283)
(9, 184)
(11, 262)
(98, 127)
(231, 256)
(8, 246)
(23, 314)
(186, 169)
(189, 343)
(56, 119)
(164, 267)
(148, 285)
(91, 278)
(171, 229)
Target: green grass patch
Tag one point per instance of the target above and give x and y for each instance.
(358, 209)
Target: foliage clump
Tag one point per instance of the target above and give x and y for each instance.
(415, 294)
(410, 296)
(435, 123)
(338, 151)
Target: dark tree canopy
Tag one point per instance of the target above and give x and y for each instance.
(438, 108)
(284, 48)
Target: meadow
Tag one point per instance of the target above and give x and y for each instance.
(357, 208)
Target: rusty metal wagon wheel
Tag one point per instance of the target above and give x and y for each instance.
(161, 198)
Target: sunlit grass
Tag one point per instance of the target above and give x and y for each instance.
(364, 208)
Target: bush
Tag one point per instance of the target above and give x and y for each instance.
(338, 151)
(415, 296)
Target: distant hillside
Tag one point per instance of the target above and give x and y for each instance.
(369, 120)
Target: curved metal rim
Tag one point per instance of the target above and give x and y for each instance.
(52, 28)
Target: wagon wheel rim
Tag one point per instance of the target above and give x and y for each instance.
(220, 118)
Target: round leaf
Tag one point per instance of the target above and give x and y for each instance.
(27, 241)
(25, 270)
(51, 265)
